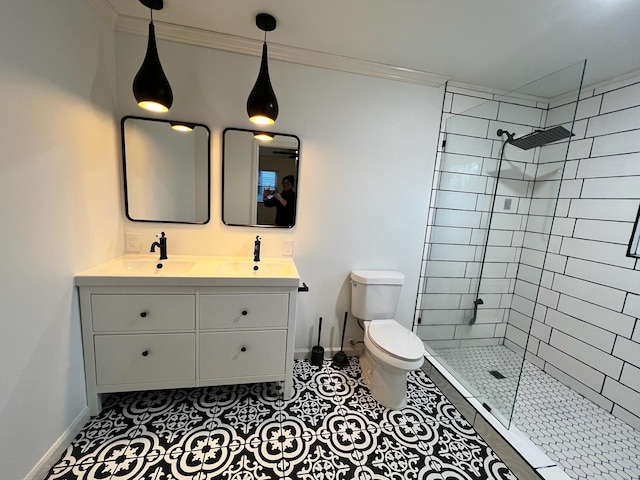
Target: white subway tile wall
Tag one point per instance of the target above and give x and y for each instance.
(586, 331)
(464, 199)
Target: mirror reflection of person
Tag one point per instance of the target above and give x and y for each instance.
(285, 202)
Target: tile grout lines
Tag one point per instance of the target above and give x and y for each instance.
(586, 441)
(331, 428)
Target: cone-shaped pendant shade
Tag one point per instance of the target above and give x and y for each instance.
(151, 87)
(262, 105)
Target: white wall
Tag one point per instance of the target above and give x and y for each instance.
(59, 209)
(367, 149)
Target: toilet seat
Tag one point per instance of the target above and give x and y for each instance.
(396, 341)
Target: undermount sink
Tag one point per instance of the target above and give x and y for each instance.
(156, 267)
(241, 268)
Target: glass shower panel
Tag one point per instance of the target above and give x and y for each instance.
(494, 198)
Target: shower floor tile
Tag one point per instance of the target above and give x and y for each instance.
(332, 428)
(585, 440)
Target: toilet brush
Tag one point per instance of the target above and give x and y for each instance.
(317, 352)
(340, 359)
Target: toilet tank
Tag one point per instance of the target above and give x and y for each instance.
(375, 293)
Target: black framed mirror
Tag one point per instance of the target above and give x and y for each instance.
(259, 178)
(166, 170)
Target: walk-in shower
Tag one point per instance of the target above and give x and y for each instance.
(490, 253)
(498, 176)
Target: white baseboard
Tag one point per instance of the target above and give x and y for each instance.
(40, 470)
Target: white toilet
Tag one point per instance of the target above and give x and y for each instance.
(390, 350)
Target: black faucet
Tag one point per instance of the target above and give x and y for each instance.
(256, 249)
(162, 244)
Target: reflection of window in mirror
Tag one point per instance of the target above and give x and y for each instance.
(281, 162)
(634, 243)
(266, 179)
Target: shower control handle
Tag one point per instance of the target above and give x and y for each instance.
(476, 302)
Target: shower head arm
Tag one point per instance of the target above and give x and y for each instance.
(510, 136)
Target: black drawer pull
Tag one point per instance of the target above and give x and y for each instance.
(145, 353)
(243, 349)
(143, 314)
(244, 312)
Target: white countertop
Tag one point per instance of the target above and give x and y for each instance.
(186, 270)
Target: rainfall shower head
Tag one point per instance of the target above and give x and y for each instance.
(539, 138)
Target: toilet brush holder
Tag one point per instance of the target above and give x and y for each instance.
(340, 359)
(317, 352)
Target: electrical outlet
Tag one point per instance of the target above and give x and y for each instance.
(287, 247)
(132, 242)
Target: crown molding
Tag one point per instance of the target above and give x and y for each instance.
(247, 46)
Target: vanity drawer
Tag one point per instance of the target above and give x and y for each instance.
(127, 359)
(143, 312)
(244, 310)
(241, 354)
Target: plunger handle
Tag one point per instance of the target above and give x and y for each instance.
(344, 327)
(319, 330)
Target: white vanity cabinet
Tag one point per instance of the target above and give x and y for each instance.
(187, 332)
(243, 335)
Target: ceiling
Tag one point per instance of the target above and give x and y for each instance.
(499, 44)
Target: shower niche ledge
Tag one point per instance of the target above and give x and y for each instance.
(185, 331)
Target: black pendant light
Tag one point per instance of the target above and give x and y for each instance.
(151, 87)
(262, 105)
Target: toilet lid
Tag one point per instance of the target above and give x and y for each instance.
(395, 339)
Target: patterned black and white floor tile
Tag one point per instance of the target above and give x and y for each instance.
(332, 428)
(585, 440)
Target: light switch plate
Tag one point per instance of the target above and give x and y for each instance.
(132, 242)
(287, 247)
